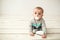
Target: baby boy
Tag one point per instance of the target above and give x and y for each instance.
(37, 25)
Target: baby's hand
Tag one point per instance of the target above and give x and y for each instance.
(43, 36)
(31, 34)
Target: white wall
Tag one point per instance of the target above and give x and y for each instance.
(16, 14)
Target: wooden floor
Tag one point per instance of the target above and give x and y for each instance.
(22, 36)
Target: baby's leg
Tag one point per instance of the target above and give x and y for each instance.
(41, 33)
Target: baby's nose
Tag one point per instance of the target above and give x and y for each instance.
(37, 14)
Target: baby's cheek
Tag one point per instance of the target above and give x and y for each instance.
(40, 16)
(35, 15)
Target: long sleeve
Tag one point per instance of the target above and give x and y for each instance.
(30, 26)
(43, 26)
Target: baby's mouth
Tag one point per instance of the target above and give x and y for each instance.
(37, 18)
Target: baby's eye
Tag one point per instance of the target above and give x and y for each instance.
(35, 13)
(39, 13)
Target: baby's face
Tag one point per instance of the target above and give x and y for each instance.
(37, 14)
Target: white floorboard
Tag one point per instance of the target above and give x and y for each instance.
(18, 36)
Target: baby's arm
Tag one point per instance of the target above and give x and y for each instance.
(30, 25)
(31, 29)
(44, 28)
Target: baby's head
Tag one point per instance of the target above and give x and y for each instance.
(38, 13)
